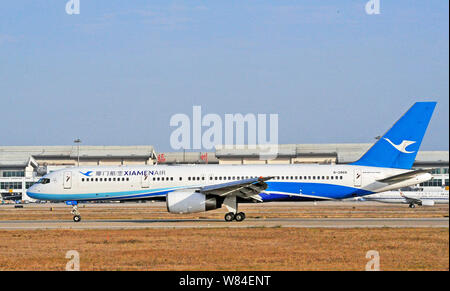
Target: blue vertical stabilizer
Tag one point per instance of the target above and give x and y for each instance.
(399, 145)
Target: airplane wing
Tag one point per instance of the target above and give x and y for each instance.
(402, 177)
(247, 189)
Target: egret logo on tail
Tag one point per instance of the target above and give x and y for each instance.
(402, 146)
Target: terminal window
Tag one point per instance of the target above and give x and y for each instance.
(8, 174)
(10, 185)
(432, 183)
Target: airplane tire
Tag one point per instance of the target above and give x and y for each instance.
(229, 216)
(412, 206)
(239, 216)
(76, 218)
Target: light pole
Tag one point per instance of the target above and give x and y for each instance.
(78, 141)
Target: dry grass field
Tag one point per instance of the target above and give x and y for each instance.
(226, 249)
(265, 248)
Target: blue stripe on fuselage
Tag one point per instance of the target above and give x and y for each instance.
(319, 190)
(103, 196)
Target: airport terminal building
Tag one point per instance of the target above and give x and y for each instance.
(21, 166)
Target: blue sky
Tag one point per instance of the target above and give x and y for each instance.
(117, 72)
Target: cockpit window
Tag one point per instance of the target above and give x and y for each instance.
(44, 181)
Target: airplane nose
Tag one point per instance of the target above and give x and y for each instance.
(31, 192)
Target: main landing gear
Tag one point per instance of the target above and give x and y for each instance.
(76, 213)
(230, 216)
(232, 206)
(412, 205)
(233, 214)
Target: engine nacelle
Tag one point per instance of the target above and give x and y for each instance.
(427, 202)
(191, 202)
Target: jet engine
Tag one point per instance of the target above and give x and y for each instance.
(190, 202)
(427, 202)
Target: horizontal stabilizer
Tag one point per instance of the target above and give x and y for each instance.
(405, 176)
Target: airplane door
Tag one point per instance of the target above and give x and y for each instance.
(145, 181)
(67, 180)
(357, 178)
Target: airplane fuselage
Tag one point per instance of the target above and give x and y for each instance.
(297, 182)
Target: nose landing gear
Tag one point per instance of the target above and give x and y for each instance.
(76, 213)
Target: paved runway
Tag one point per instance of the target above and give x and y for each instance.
(213, 223)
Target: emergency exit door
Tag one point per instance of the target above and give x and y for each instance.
(357, 178)
(67, 180)
(145, 181)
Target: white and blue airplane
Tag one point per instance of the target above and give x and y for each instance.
(196, 188)
(413, 198)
